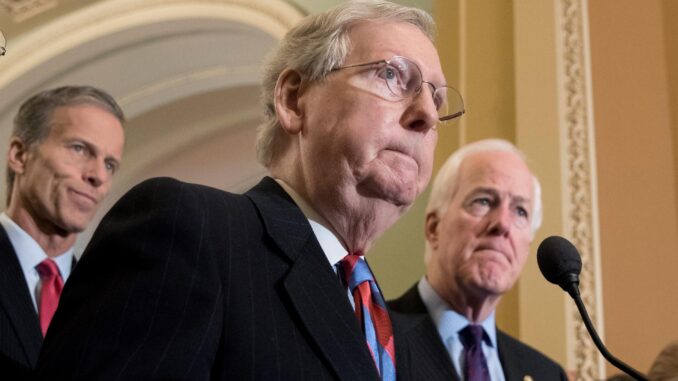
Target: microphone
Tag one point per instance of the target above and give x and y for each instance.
(560, 263)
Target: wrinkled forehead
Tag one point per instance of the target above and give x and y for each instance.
(504, 172)
(381, 40)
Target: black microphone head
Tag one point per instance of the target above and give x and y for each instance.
(559, 262)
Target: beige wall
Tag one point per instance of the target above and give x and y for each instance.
(503, 58)
(477, 45)
(634, 83)
(670, 10)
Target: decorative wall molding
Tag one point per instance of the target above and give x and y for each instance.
(109, 17)
(578, 149)
(24, 9)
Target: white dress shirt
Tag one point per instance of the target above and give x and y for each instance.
(449, 323)
(30, 254)
(329, 243)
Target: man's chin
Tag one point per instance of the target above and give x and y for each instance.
(75, 225)
(399, 193)
(492, 284)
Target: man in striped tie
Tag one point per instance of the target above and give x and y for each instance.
(202, 284)
(65, 147)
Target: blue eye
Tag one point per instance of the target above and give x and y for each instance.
(79, 148)
(389, 73)
(393, 78)
(522, 212)
(479, 206)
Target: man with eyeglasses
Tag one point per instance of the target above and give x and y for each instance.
(484, 209)
(184, 282)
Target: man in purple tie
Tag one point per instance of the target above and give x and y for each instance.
(65, 147)
(484, 209)
(185, 282)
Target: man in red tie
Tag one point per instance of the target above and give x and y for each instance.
(65, 147)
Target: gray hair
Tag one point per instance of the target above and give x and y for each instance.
(446, 182)
(319, 44)
(32, 123)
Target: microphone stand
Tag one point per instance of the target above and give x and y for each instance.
(572, 288)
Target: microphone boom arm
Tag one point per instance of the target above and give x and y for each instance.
(573, 290)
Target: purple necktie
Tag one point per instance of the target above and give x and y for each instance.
(475, 364)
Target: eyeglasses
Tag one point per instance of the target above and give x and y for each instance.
(403, 79)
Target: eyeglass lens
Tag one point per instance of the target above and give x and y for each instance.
(404, 79)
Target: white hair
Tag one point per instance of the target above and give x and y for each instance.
(319, 44)
(446, 182)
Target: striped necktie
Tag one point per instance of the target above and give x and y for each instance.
(370, 309)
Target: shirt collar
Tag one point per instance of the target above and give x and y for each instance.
(448, 321)
(29, 253)
(332, 247)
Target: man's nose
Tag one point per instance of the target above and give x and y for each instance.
(422, 115)
(95, 172)
(501, 220)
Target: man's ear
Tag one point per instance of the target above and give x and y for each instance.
(431, 229)
(17, 155)
(286, 99)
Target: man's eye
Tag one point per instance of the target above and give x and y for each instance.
(522, 212)
(389, 74)
(78, 148)
(482, 201)
(439, 100)
(393, 78)
(479, 206)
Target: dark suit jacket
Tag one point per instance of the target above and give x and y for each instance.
(430, 361)
(20, 334)
(186, 282)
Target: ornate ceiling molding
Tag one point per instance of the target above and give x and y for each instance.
(21, 10)
(581, 206)
(108, 17)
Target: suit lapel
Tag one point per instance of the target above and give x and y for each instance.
(15, 300)
(510, 361)
(312, 286)
(426, 347)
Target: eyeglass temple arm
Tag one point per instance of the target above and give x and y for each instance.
(452, 116)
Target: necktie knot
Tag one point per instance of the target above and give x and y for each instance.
(47, 268)
(355, 271)
(472, 335)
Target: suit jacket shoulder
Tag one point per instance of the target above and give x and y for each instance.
(20, 334)
(519, 360)
(182, 281)
(429, 359)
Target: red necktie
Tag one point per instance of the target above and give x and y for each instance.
(370, 310)
(49, 293)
